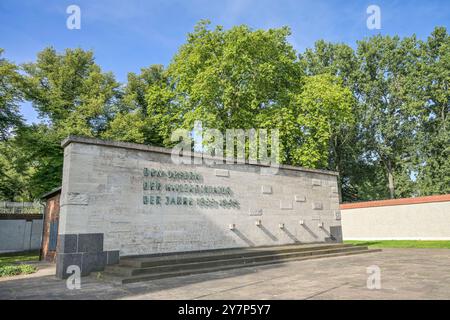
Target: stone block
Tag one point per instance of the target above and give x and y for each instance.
(74, 198)
(286, 205)
(112, 257)
(67, 243)
(93, 261)
(90, 242)
(336, 233)
(317, 206)
(266, 190)
(255, 212)
(64, 260)
(299, 198)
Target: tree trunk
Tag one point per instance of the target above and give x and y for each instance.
(337, 167)
(390, 179)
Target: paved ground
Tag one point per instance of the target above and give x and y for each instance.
(405, 274)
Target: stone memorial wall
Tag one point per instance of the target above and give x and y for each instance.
(122, 199)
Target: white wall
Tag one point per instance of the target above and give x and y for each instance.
(424, 221)
(20, 235)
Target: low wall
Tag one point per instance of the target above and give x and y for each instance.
(424, 218)
(20, 232)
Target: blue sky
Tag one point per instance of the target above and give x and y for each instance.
(131, 34)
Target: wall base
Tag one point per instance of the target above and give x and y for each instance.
(84, 250)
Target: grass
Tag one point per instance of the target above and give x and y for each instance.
(11, 263)
(423, 244)
(15, 257)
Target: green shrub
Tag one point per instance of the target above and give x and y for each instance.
(11, 270)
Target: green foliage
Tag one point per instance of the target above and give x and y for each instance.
(228, 78)
(324, 110)
(144, 112)
(377, 114)
(399, 146)
(14, 179)
(430, 88)
(41, 158)
(71, 91)
(134, 97)
(9, 266)
(10, 96)
(76, 98)
(31, 163)
(128, 127)
(11, 270)
(387, 119)
(163, 114)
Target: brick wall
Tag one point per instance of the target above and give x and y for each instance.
(51, 214)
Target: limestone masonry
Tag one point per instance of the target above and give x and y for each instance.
(121, 199)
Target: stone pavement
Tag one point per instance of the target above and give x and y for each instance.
(405, 274)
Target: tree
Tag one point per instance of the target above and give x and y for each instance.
(325, 113)
(387, 119)
(139, 118)
(430, 90)
(378, 114)
(14, 177)
(397, 83)
(30, 163)
(71, 91)
(336, 59)
(41, 158)
(135, 92)
(358, 179)
(128, 127)
(225, 78)
(12, 182)
(10, 96)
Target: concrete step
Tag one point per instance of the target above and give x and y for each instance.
(177, 273)
(151, 267)
(187, 257)
(263, 256)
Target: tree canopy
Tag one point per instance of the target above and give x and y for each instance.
(377, 114)
(10, 96)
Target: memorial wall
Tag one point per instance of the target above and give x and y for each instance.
(121, 199)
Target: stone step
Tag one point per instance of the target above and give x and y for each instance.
(228, 260)
(187, 257)
(162, 275)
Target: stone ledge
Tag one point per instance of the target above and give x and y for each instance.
(141, 147)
